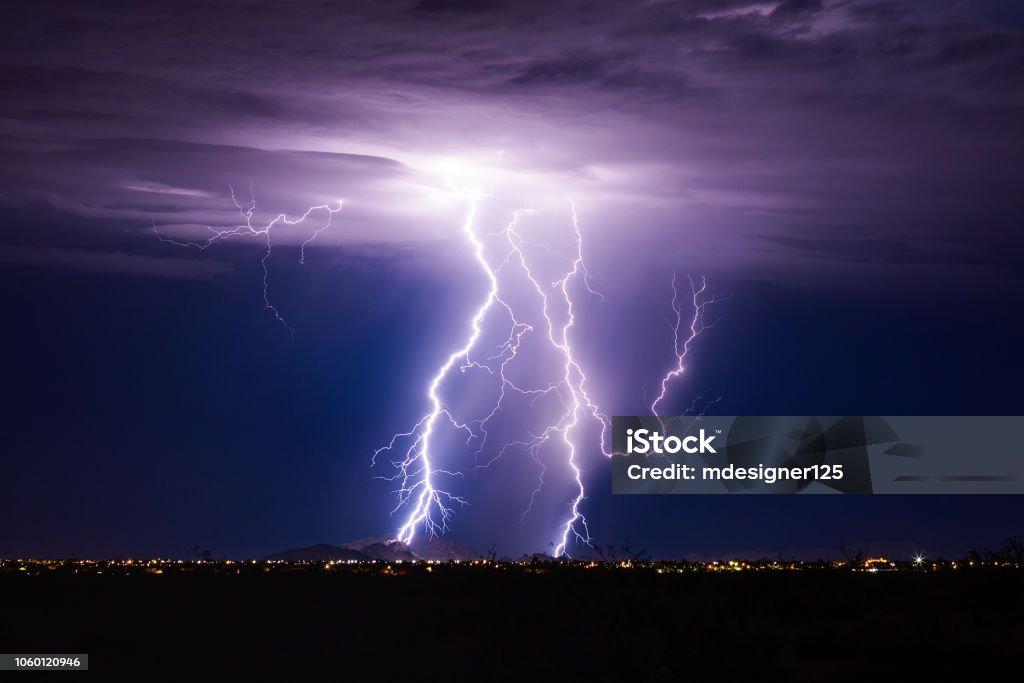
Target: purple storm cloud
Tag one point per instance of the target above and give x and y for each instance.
(771, 136)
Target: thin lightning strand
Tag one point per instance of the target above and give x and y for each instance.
(573, 380)
(247, 229)
(681, 345)
(580, 399)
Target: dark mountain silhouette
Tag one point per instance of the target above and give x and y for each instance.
(422, 548)
(384, 549)
(537, 557)
(390, 551)
(443, 549)
(320, 552)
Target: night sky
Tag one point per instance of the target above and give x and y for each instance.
(846, 174)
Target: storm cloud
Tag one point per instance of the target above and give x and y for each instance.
(754, 129)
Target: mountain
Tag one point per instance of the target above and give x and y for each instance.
(422, 548)
(390, 551)
(320, 552)
(443, 549)
(537, 557)
(382, 548)
(361, 543)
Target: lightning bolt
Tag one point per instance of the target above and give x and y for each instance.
(573, 380)
(417, 475)
(681, 344)
(248, 229)
(427, 505)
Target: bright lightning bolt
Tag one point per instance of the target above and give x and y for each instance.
(573, 380)
(417, 475)
(681, 343)
(248, 229)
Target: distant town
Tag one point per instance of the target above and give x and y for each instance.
(533, 565)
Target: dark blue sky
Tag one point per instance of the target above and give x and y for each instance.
(147, 414)
(845, 173)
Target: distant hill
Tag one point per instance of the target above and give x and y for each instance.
(361, 543)
(443, 549)
(382, 548)
(537, 557)
(390, 551)
(422, 548)
(320, 552)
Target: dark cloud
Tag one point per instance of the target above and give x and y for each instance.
(569, 69)
(895, 116)
(879, 11)
(117, 263)
(456, 6)
(789, 9)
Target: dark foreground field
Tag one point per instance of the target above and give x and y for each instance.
(541, 623)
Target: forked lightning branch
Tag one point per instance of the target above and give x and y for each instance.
(574, 424)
